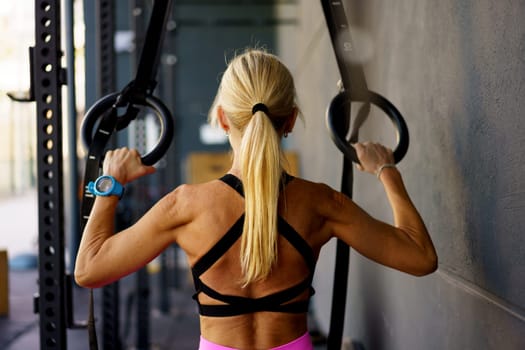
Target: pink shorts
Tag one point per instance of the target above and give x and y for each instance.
(301, 343)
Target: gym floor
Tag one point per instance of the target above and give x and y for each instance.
(20, 330)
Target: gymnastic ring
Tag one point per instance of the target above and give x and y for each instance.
(161, 111)
(335, 113)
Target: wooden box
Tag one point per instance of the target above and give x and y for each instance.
(206, 166)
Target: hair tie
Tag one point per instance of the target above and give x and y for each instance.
(260, 107)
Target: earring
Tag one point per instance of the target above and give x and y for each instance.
(285, 134)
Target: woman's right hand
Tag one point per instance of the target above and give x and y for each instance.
(372, 156)
(125, 165)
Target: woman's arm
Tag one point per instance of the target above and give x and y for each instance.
(405, 246)
(104, 256)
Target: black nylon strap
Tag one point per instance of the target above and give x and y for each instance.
(143, 85)
(151, 51)
(297, 307)
(234, 182)
(268, 301)
(237, 305)
(284, 227)
(354, 89)
(144, 82)
(94, 161)
(92, 333)
(354, 81)
(297, 241)
(208, 259)
(92, 171)
(352, 73)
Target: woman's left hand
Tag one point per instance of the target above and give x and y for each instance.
(125, 165)
(372, 156)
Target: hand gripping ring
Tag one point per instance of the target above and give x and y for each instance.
(335, 116)
(161, 111)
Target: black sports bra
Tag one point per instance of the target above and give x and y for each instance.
(238, 305)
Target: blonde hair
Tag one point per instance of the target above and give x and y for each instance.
(250, 78)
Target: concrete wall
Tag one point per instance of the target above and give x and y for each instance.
(456, 70)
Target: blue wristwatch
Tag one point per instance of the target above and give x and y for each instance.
(106, 185)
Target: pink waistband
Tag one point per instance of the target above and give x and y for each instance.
(301, 343)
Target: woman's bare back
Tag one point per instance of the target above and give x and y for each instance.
(217, 208)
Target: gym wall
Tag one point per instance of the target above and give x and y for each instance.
(456, 72)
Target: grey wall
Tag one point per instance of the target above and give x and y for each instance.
(456, 70)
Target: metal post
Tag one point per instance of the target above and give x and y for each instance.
(139, 10)
(106, 78)
(74, 207)
(47, 80)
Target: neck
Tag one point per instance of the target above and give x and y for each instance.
(236, 167)
(235, 143)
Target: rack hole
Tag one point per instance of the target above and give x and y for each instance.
(48, 129)
(50, 296)
(48, 159)
(48, 220)
(46, 22)
(48, 189)
(50, 312)
(49, 266)
(48, 144)
(50, 326)
(47, 98)
(46, 6)
(50, 251)
(46, 37)
(48, 113)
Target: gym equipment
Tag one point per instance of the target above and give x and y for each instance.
(354, 89)
(102, 119)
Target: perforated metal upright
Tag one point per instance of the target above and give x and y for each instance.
(47, 80)
(105, 31)
(105, 56)
(140, 16)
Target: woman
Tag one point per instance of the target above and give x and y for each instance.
(252, 237)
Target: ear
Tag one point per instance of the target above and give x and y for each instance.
(290, 123)
(224, 123)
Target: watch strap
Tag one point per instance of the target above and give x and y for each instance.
(116, 190)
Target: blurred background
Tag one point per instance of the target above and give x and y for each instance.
(456, 71)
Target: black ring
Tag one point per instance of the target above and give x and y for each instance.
(336, 114)
(105, 103)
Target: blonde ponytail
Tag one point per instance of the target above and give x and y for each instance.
(252, 78)
(260, 156)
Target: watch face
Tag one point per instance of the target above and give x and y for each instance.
(104, 185)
